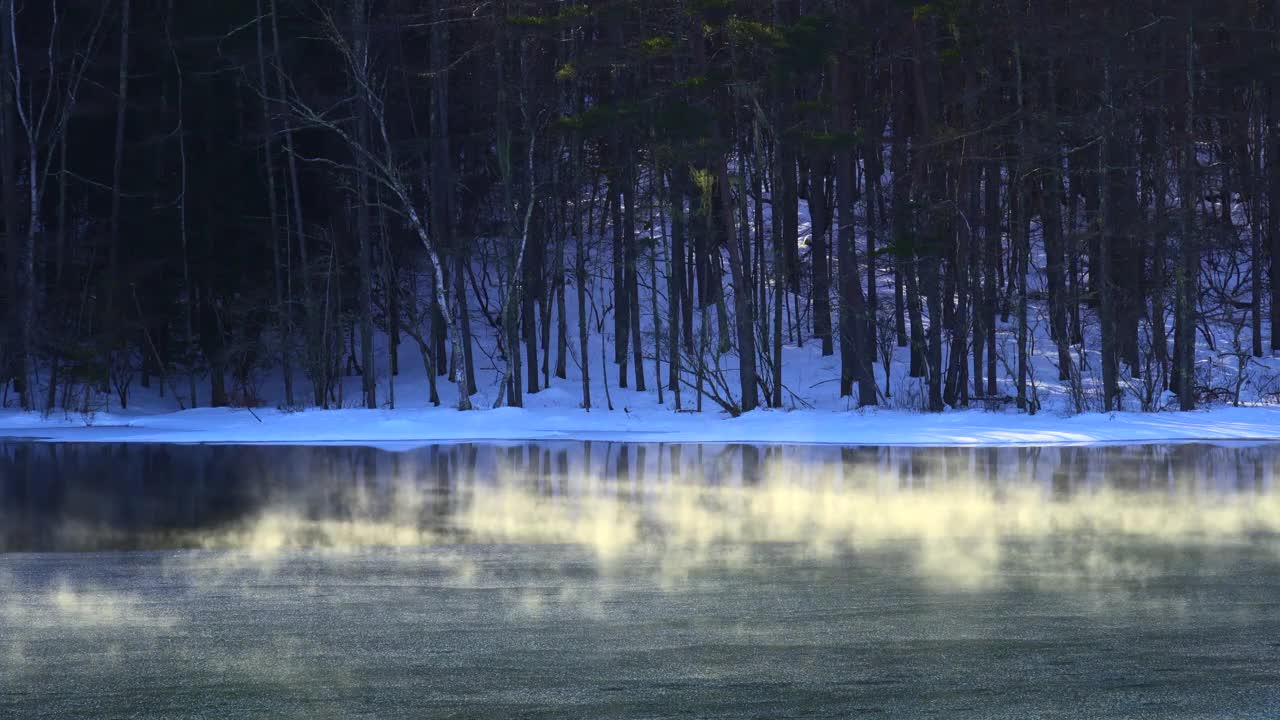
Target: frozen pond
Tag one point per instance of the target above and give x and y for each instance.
(613, 580)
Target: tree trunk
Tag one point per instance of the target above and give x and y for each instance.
(992, 216)
(675, 285)
(283, 317)
(316, 362)
(956, 389)
(441, 212)
(976, 304)
(1051, 219)
(873, 164)
(1021, 239)
(13, 358)
(853, 309)
(532, 289)
(1189, 271)
(562, 313)
(1273, 195)
(742, 297)
(110, 320)
(1255, 235)
(1106, 305)
(369, 371)
(580, 283)
(632, 273)
(818, 214)
(621, 303)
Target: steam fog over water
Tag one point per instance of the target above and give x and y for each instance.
(608, 580)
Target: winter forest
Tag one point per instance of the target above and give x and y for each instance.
(722, 204)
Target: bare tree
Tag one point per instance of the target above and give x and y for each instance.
(43, 114)
(379, 164)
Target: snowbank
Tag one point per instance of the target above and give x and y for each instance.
(871, 427)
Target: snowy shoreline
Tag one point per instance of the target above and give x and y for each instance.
(868, 427)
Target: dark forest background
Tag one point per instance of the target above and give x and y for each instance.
(195, 191)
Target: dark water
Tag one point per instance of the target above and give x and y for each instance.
(607, 580)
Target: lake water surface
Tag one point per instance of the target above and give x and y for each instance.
(614, 580)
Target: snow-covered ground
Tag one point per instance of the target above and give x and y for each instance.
(653, 424)
(813, 413)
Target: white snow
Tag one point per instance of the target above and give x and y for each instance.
(872, 427)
